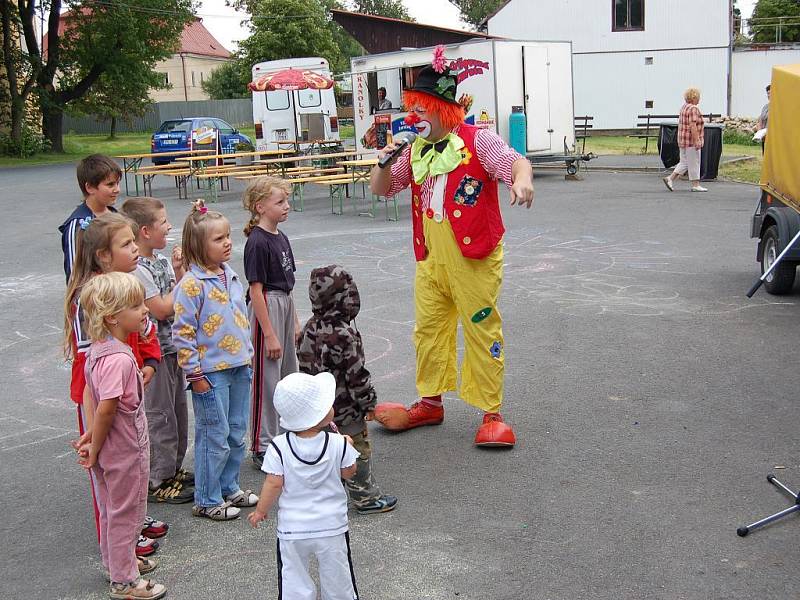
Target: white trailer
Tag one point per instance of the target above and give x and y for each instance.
(303, 115)
(497, 74)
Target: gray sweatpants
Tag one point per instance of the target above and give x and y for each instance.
(266, 372)
(167, 419)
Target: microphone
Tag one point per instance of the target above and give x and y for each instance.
(405, 138)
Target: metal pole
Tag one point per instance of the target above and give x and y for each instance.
(296, 126)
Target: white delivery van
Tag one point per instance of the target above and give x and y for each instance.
(494, 74)
(302, 115)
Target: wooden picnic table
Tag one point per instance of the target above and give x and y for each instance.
(361, 162)
(255, 153)
(325, 158)
(132, 162)
(304, 157)
(311, 143)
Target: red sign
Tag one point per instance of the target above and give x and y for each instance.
(467, 67)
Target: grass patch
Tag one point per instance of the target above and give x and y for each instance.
(621, 144)
(78, 146)
(347, 131)
(747, 170)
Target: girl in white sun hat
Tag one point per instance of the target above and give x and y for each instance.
(304, 470)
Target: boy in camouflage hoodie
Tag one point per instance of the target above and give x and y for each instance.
(330, 342)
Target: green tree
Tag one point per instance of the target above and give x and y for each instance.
(775, 21)
(475, 11)
(97, 36)
(120, 94)
(383, 8)
(287, 29)
(347, 44)
(228, 81)
(21, 76)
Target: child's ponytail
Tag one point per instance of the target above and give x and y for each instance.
(195, 232)
(259, 189)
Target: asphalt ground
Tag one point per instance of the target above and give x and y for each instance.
(650, 398)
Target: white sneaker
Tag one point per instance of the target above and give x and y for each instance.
(668, 182)
(699, 188)
(242, 499)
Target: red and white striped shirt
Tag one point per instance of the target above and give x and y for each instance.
(495, 156)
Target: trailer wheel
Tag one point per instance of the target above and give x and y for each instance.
(781, 280)
(572, 168)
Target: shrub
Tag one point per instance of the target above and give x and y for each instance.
(732, 136)
(32, 142)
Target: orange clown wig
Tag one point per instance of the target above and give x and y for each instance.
(449, 114)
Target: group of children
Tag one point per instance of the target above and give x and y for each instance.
(142, 327)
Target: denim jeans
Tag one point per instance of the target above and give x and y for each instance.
(220, 427)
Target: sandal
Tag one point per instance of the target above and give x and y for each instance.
(141, 589)
(146, 565)
(243, 499)
(223, 512)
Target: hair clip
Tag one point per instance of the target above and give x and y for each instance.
(84, 223)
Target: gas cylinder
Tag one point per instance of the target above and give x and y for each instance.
(517, 134)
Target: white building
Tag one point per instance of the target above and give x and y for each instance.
(632, 57)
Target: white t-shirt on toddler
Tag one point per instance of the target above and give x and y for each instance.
(313, 502)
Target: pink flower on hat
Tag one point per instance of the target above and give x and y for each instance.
(438, 63)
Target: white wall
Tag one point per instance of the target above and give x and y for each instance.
(588, 23)
(614, 87)
(752, 70)
(687, 40)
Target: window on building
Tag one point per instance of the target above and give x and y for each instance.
(628, 15)
(201, 78)
(193, 83)
(165, 78)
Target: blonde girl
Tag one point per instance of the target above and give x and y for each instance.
(105, 244)
(212, 335)
(118, 452)
(269, 268)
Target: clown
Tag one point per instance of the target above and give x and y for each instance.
(452, 168)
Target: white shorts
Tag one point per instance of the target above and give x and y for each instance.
(336, 577)
(690, 162)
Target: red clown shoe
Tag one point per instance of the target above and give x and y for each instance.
(396, 417)
(493, 433)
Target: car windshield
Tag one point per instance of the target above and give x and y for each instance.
(175, 126)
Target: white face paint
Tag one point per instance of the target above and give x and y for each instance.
(423, 128)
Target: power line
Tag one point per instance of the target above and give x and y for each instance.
(160, 11)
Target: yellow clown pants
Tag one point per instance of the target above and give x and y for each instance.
(449, 288)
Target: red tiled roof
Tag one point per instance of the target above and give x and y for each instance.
(195, 38)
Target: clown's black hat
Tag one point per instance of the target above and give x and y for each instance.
(440, 85)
